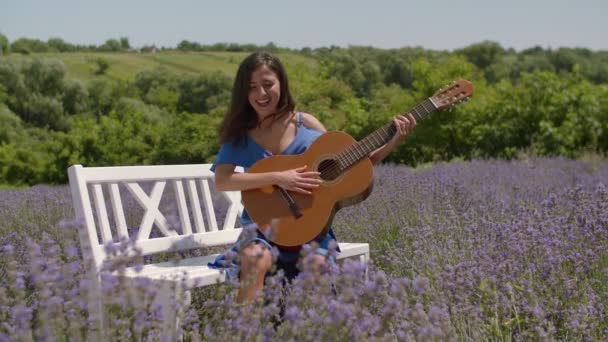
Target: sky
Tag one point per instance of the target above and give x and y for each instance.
(431, 24)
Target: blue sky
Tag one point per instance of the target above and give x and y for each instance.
(432, 24)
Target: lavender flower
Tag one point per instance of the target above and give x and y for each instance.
(466, 250)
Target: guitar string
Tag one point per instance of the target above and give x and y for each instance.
(352, 155)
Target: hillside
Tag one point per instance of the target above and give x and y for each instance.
(125, 65)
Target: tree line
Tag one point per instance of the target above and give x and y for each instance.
(543, 102)
(495, 61)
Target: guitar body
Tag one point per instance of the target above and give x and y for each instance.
(267, 205)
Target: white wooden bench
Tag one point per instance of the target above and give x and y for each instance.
(93, 188)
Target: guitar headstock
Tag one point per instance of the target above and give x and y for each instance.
(452, 94)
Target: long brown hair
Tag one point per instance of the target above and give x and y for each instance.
(241, 117)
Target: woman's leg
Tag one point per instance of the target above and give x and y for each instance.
(256, 261)
(317, 264)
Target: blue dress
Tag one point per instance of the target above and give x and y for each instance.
(245, 153)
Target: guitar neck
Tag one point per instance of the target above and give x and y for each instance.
(381, 136)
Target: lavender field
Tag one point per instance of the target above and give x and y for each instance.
(481, 250)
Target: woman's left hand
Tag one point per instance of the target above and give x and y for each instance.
(405, 124)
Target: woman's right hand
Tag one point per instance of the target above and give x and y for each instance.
(299, 180)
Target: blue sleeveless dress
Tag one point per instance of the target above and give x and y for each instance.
(247, 152)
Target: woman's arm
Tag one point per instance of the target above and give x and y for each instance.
(298, 180)
(405, 125)
(382, 152)
(228, 180)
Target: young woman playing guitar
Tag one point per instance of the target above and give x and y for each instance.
(262, 121)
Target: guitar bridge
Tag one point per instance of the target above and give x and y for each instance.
(291, 203)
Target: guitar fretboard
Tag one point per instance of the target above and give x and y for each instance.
(379, 137)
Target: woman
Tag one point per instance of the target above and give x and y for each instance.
(262, 122)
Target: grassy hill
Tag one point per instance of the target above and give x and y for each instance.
(125, 65)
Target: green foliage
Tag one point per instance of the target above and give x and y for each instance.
(186, 45)
(164, 108)
(483, 54)
(398, 70)
(200, 94)
(59, 45)
(188, 139)
(44, 111)
(26, 46)
(11, 77)
(19, 165)
(163, 97)
(101, 96)
(24, 158)
(317, 94)
(3, 45)
(44, 76)
(360, 74)
(564, 59)
(37, 91)
(125, 137)
(102, 66)
(111, 45)
(3, 94)
(124, 43)
(75, 97)
(148, 79)
(10, 125)
(158, 87)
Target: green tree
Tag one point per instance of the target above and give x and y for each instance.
(34, 91)
(127, 138)
(163, 97)
(124, 43)
(13, 85)
(75, 97)
(317, 94)
(483, 54)
(44, 111)
(397, 70)
(102, 65)
(24, 161)
(27, 46)
(101, 96)
(44, 76)
(3, 45)
(188, 139)
(111, 45)
(564, 59)
(147, 80)
(59, 45)
(186, 45)
(10, 126)
(200, 94)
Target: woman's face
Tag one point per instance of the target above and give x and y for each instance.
(264, 91)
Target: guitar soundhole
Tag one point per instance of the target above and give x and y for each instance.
(329, 169)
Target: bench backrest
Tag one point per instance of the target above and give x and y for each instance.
(97, 191)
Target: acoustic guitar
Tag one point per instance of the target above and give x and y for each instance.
(291, 219)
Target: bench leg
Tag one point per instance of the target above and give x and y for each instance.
(97, 319)
(364, 258)
(174, 302)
